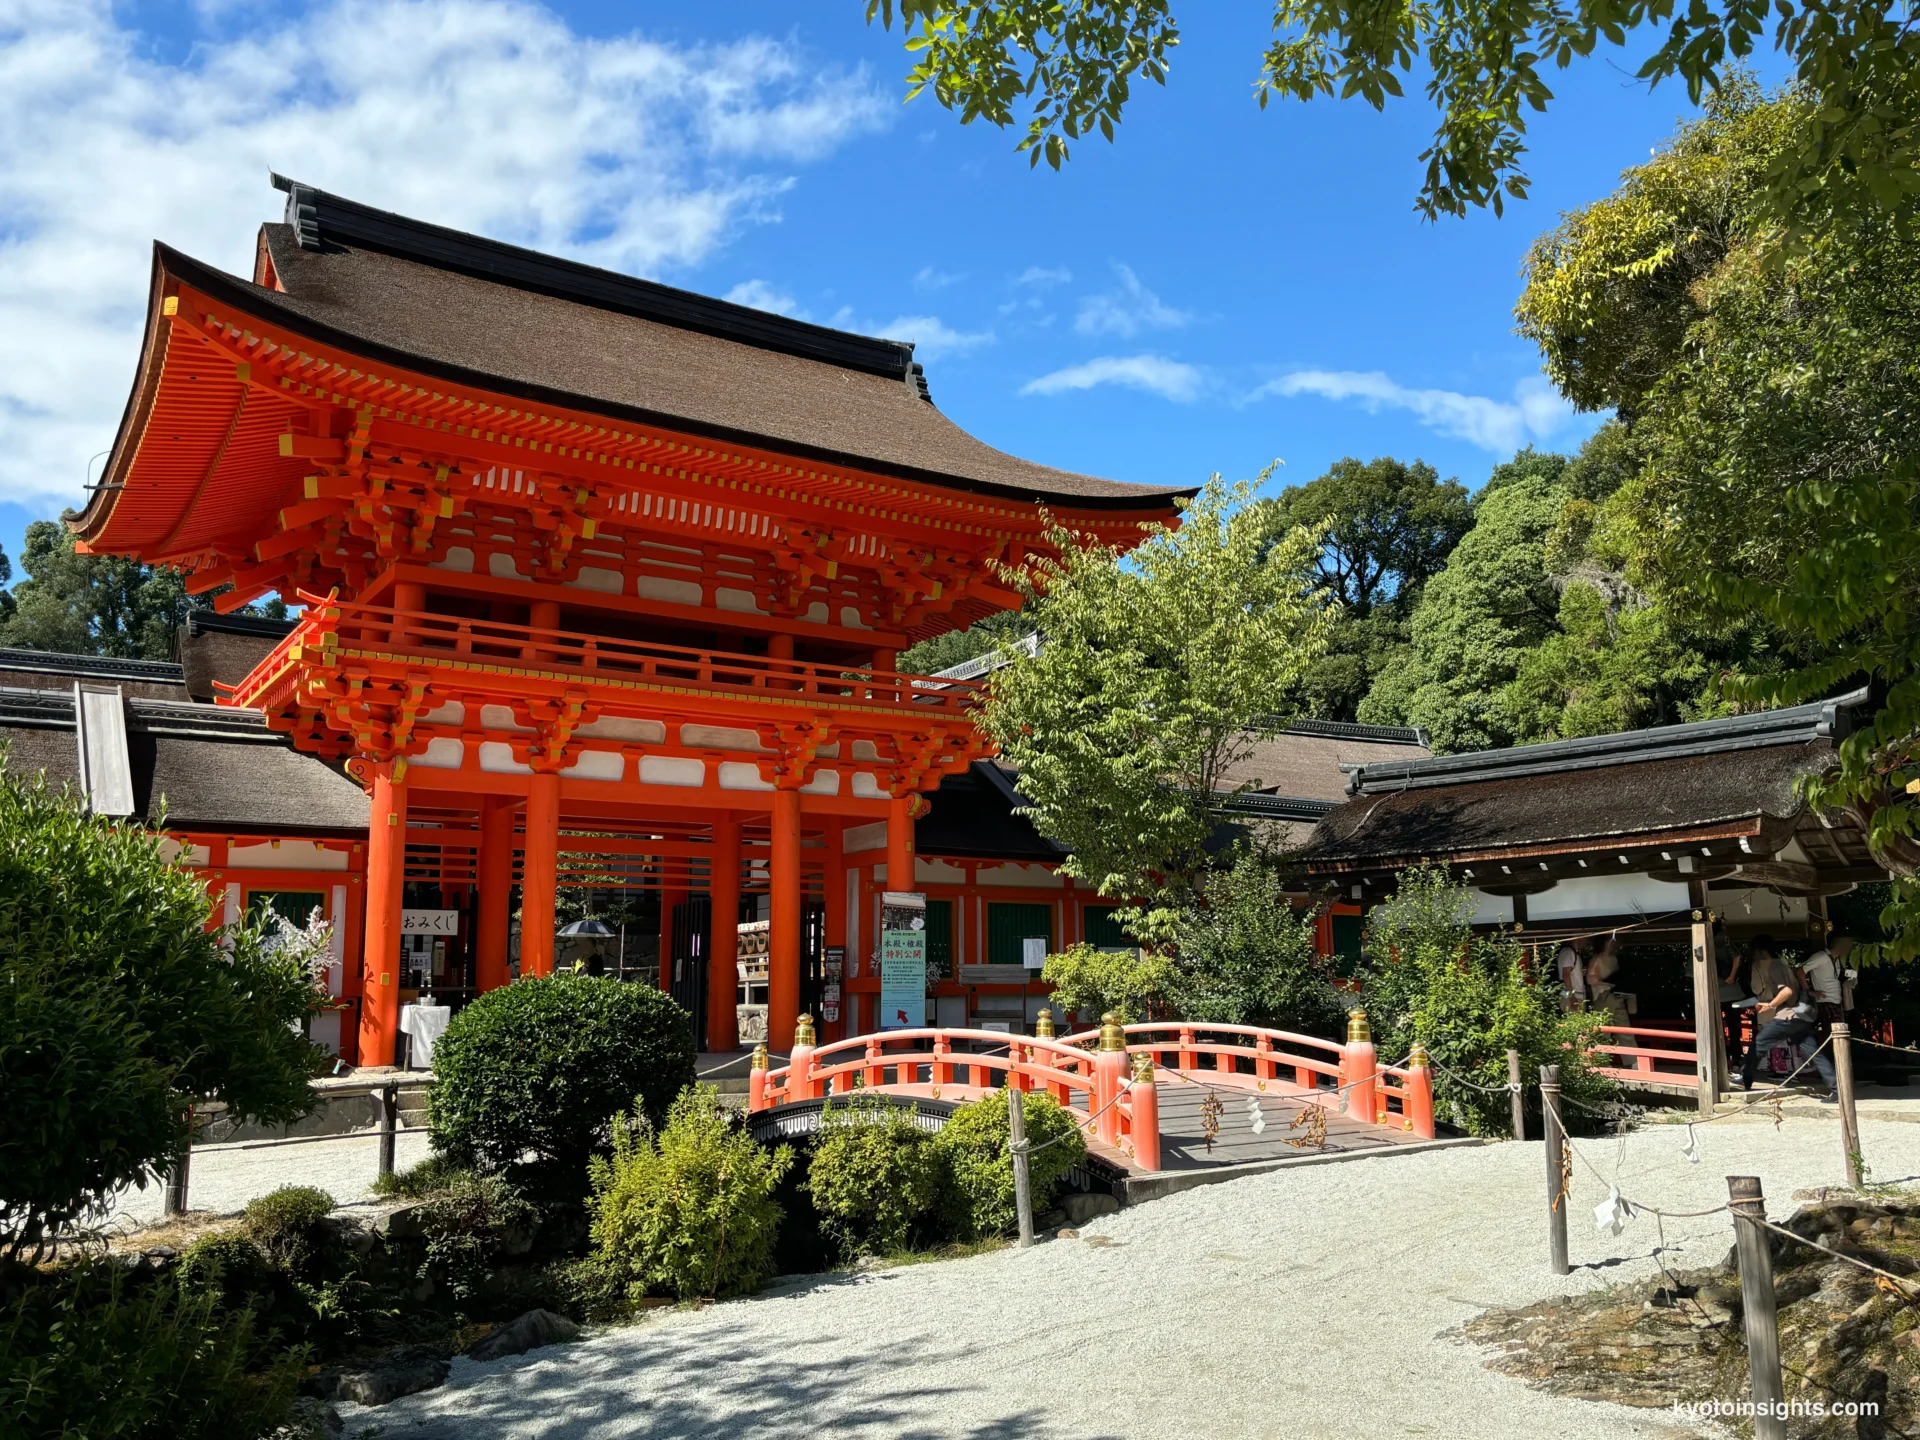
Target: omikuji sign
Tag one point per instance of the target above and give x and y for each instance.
(429, 922)
(903, 960)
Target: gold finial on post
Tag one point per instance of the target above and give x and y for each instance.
(1043, 1024)
(759, 1061)
(1417, 1057)
(803, 1030)
(1357, 1026)
(1113, 1035)
(1143, 1068)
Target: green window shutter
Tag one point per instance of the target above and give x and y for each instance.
(1103, 930)
(1008, 925)
(940, 936)
(293, 906)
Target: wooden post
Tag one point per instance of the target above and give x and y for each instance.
(1706, 1000)
(1756, 1301)
(1843, 1082)
(495, 878)
(784, 911)
(389, 1095)
(1556, 1151)
(176, 1199)
(1022, 1175)
(539, 874)
(1516, 1095)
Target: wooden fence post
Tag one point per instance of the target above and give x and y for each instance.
(175, 1202)
(1756, 1301)
(1517, 1095)
(1843, 1082)
(1556, 1170)
(389, 1094)
(1022, 1174)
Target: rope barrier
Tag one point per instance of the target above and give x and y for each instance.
(1904, 1282)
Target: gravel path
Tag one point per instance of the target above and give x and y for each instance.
(223, 1178)
(1314, 1302)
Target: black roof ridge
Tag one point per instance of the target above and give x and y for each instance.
(1283, 807)
(45, 708)
(319, 219)
(1795, 725)
(1354, 730)
(201, 622)
(92, 667)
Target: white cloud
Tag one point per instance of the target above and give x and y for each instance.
(932, 337)
(487, 115)
(1128, 310)
(932, 279)
(1169, 379)
(1042, 278)
(763, 295)
(1536, 411)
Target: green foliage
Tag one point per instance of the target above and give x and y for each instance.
(689, 1212)
(875, 1177)
(1131, 983)
(1247, 955)
(1469, 999)
(540, 1065)
(1157, 675)
(978, 1201)
(286, 1223)
(118, 1009)
(1389, 527)
(469, 1224)
(956, 647)
(1854, 151)
(89, 1352)
(416, 1182)
(226, 1264)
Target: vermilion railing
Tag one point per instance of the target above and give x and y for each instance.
(1110, 1103)
(338, 633)
(1681, 1055)
(1253, 1058)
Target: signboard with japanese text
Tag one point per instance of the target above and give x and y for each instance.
(429, 922)
(903, 960)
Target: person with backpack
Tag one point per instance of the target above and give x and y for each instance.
(1785, 1017)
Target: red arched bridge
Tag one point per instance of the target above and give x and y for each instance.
(1148, 1097)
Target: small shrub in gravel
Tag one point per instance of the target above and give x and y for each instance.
(539, 1065)
(689, 1212)
(875, 1177)
(977, 1202)
(286, 1225)
(227, 1265)
(416, 1182)
(470, 1225)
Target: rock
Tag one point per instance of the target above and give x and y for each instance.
(312, 1419)
(403, 1222)
(1082, 1208)
(1066, 1234)
(1052, 1220)
(351, 1233)
(404, 1370)
(529, 1332)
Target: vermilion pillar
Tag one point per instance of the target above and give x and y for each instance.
(783, 947)
(539, 875)
(723, 887)
(900, 843)
(386, 877)
(671, 897)
(495, 880)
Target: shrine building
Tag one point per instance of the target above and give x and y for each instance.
(603, 585)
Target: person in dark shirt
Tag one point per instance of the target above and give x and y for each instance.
(1786, 1017)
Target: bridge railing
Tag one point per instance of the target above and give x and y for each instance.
(1252, 1057)
(1673, 1057)
(1112, 1104)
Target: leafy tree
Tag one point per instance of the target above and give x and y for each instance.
(1156, 676)
(1088, 980)
(956, 647)
(1485, 67)
(6, 595)
(1778, 444)
(1389, 526)
(119, 1009)
(96, 604)
(1246, 955)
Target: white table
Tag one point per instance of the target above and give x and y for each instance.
(424, 1024)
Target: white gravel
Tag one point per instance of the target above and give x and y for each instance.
(1316, 1302)
(223, 1178)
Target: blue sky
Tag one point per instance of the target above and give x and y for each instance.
(1221, 288)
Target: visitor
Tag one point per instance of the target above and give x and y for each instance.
(1573, 976)
(1785, 1017)
(1733, 992)
(1766, 973)
(1826, 974)
(1602, 965)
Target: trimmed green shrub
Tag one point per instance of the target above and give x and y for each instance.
(416, 1182)
(689, 1212)
(539, 1065)
(118, 1008)
(875, 1177)
(469, 1224)
(89, 1352)
(285, 1224)
(978, 1200)
(228, 1265)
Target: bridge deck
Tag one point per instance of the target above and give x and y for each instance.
(1183, 1133)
